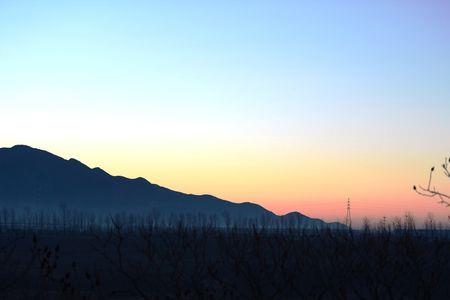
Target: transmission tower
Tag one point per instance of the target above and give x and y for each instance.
(348, 218)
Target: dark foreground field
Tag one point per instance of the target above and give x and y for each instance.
(207, 263)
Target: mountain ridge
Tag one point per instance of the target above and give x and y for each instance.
(39, 179)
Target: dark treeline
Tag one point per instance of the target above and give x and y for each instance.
(68, 220)
(86, 257)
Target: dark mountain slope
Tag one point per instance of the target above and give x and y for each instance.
(40, 180)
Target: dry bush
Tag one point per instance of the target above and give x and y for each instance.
(145, 260)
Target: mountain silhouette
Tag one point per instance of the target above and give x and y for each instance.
(38, 180)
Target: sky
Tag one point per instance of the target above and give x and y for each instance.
(294, 105)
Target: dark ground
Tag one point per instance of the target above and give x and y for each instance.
(206, 263)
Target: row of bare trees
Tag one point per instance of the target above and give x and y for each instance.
(392, 261)
(65, 220)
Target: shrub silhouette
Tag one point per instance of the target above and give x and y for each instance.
(115, 259)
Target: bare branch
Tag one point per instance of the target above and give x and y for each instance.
(433, 192)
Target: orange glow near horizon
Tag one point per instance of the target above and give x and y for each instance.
(288, 181)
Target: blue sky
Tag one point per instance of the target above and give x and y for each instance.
(250, 81)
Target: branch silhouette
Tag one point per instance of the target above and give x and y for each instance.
(431, 191)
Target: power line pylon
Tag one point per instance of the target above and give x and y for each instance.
(348, 218)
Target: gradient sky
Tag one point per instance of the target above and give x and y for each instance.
(295, 105)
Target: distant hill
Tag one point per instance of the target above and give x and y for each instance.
(38, 180)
